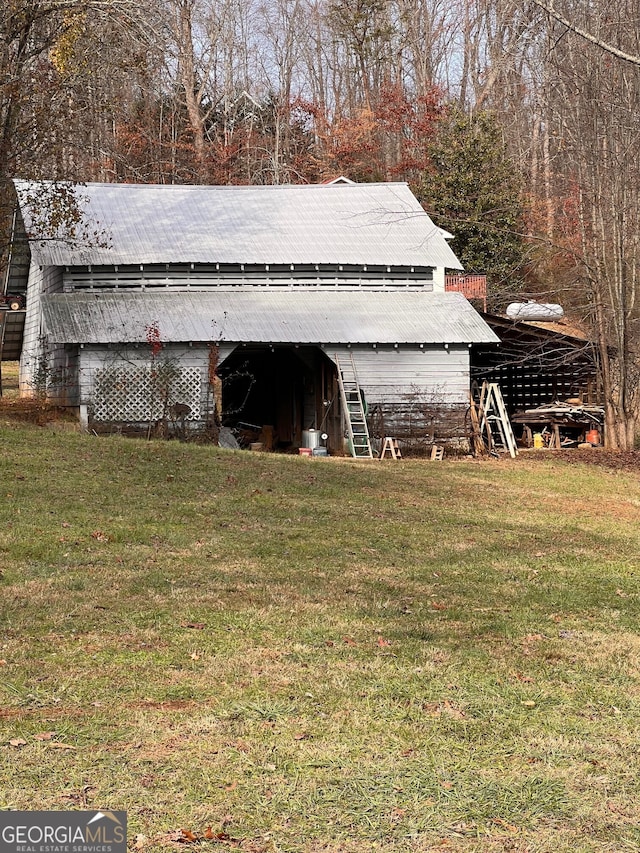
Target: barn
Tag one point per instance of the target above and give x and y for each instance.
(246, 306)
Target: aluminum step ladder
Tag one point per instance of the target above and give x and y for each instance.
(353, 409)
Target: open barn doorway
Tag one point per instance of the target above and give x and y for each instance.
(273, 394)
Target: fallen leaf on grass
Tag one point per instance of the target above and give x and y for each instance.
(528, 641)
(231, 786)
(17, 742)
(195, 656)
(55, 745)
(349, 641)
(436, 709)
(383, 643)
(99, 536)
(446, 785)
(210, 835)
(397, 814)
(439, 605)
(529, 703)
(525, 679)
(198, 625)
(508, 826)
(222, 838)
(302, 736)
(44, 735)
(188, 836)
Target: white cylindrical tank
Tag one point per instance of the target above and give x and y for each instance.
(535, 311)
(311, 438)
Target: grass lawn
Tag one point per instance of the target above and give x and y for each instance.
(283, 654)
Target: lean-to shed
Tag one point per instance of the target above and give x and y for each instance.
(200, 303)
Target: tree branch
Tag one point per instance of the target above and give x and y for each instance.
(609, 48)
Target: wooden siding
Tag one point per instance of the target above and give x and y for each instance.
(387, 374)
(40, 364)
(61, 360)
(31, 343)
(416, 395)
(438, 279)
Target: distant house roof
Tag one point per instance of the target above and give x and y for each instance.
(265, 315)
(378, 224)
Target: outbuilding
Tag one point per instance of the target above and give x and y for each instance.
(194, 306)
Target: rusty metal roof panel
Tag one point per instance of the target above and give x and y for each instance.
(381, 224)
(265, 315)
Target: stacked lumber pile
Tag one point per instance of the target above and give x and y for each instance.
(568, 414)
(561, 424)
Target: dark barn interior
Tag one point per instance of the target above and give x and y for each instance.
(274, 393)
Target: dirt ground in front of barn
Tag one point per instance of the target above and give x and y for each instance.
(613, 460)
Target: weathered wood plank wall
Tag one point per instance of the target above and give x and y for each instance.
(415, 395)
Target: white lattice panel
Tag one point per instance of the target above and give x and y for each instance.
(144, 394)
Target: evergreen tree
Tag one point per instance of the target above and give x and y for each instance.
(473, 190)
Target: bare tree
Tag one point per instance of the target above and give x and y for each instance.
(592, 111)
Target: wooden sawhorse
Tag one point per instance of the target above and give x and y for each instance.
(390, 445)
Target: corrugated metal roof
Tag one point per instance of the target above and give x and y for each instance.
(261, 315)
(343, 223)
